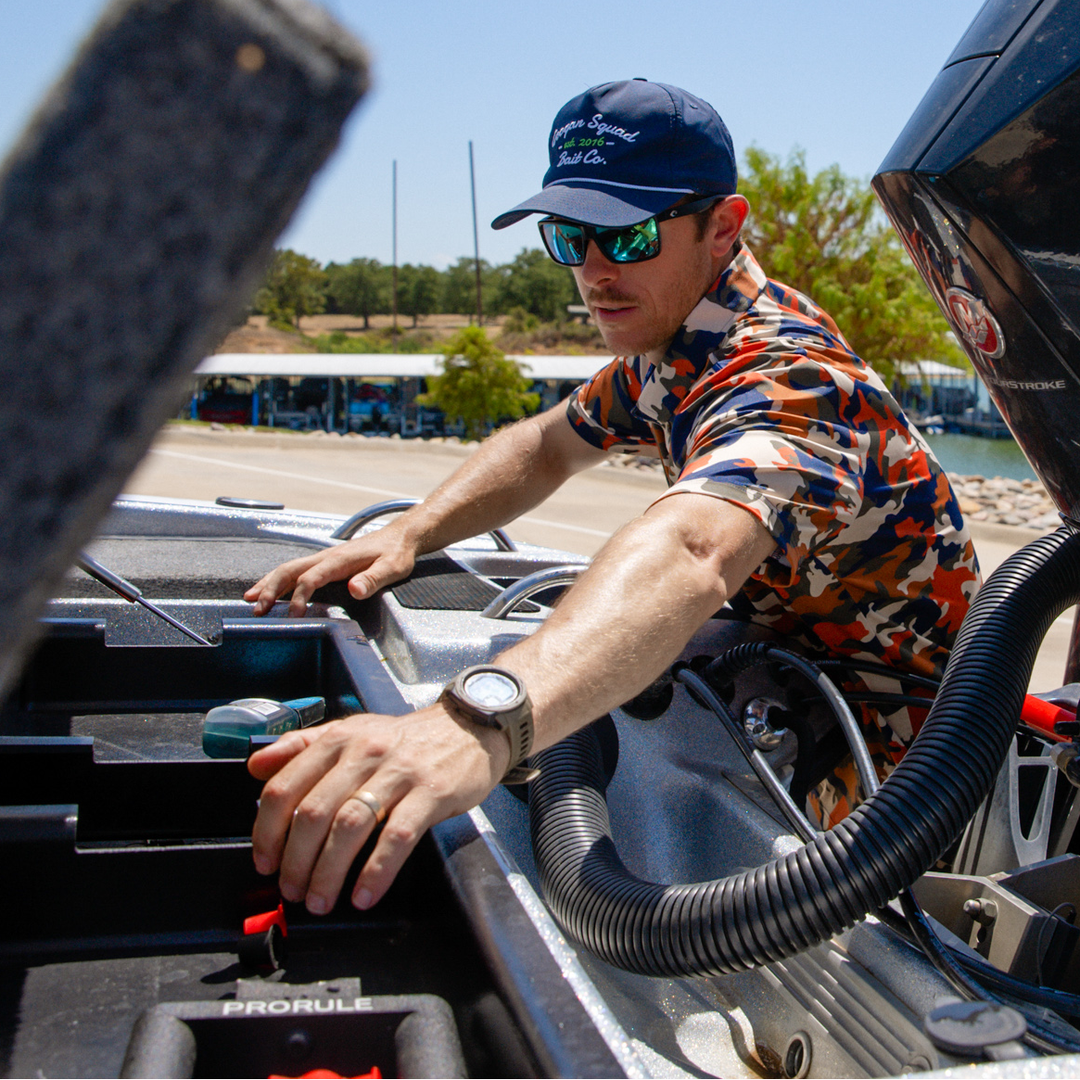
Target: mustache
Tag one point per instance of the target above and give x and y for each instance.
(607, 298)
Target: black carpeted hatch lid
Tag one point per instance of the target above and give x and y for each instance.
(437, 583)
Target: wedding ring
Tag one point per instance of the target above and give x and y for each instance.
(372, 804)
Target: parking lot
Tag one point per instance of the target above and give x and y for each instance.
(339, 475)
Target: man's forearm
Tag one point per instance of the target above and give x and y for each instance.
(625, 620)
(508, 475)
(628, 618)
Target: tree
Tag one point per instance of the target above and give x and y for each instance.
(825, 236)
(459, 286)
(479, 384)
(361, 287)
(418, 291)
(537, 284)
(294, 286)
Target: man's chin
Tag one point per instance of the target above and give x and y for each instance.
(623, 341)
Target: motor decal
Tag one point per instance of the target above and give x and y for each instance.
(976, 323)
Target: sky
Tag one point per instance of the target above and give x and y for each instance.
(836, 79)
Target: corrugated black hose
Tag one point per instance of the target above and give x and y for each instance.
(885, 844)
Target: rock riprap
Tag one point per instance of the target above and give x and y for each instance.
(1003, 501)
(998, 500)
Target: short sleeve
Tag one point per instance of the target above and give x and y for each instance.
(777, 445)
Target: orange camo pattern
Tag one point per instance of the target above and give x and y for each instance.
(760, 401)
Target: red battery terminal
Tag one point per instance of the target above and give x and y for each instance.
(262, 944)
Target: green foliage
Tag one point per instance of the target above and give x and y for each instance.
(569, 338)
(418, 291)
(537, 285)
(360, 287)
(520, 321)
(825, 236)
(340, 342)
(378, 341)
(479, 384)
(294, 286)
(459, 287)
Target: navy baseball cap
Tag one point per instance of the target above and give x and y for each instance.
(623, 151)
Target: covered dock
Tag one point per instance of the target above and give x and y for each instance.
(368, 392)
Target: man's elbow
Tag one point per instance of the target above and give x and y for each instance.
(722, 543)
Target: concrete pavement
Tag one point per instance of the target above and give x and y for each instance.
(338, 474)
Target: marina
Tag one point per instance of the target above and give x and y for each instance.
(974, 455)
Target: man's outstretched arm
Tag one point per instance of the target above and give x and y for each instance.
(513, 471)
(624, 621)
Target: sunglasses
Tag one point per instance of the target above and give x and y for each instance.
(566, 241)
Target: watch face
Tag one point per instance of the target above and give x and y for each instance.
(490, 689)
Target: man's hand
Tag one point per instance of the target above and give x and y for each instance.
(510, 473)
(369, 562)
(421, 768)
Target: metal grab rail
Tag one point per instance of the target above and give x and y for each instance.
(394, 506)
(536, 582)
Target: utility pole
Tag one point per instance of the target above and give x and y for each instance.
(476, 241)
(393, 299)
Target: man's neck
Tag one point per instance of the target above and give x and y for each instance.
(654, 356)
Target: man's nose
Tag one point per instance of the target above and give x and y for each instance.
(597, 269)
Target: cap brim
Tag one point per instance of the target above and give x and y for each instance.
(609, 208)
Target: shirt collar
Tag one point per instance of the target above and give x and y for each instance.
(735, 290)
(733, 293)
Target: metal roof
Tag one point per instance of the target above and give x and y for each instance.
(933, 369)
(386, 365)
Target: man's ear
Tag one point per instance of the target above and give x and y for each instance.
(727, 220)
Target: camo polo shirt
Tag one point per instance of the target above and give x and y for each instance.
(761, 402)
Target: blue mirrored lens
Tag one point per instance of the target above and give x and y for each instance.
(630, 245)
(565, 242)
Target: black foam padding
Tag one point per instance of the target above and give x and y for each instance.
(437, 583)
(137, 214)
(404, 1035)
(165, 568)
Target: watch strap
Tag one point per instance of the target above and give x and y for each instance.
(521, 774)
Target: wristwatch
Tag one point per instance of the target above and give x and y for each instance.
(496, 698)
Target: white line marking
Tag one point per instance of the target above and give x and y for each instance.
(352, 487)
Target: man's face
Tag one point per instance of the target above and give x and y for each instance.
(639, 307)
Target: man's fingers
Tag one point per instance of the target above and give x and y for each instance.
(265, 592)
(319, 806)
(356, 819)
(407, 822)
(271, 759)
(303, 590)
(381, 573)
(363, 561)
(289, 783)
(333, 566)
(268, 589)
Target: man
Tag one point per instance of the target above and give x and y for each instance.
(799, 494)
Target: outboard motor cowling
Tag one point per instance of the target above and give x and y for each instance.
(983, 187)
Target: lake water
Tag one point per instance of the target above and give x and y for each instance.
(971, 454)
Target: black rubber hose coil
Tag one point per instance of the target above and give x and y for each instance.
(882, 847)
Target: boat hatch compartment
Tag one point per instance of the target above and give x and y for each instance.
(133, 857)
